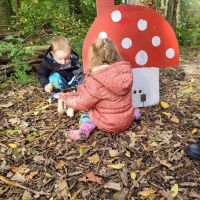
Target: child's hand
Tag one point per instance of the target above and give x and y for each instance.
(64, 96)
(49, 88)
(57, 95)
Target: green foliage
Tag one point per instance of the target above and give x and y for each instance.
(188, 37)
(188, 29)
(39, 16)
(13, 49)
(39, 20)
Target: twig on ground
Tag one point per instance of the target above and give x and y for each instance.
(157, 186)
(103, 154)
(11, 183)
(45, 143)
(147, 171)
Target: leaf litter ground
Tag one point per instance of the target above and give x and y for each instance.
(37, 161)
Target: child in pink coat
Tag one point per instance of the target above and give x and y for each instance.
(106, 93)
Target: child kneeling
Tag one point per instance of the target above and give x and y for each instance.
(105, 93)
(60, 68)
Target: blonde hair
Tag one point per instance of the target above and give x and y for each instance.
(103, 51)
(60, 43)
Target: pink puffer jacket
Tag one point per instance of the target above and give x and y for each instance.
(106, 94)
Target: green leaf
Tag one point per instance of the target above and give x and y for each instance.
(10, 131)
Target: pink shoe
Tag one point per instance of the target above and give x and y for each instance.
(137, 114)
(78, 135)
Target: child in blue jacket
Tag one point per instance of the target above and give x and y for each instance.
(60, 68)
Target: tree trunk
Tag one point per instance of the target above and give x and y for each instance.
(5, 11)
(171, 13)
(178, 15)
(18, 5)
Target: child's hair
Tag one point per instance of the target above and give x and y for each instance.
(103, 51)
(60, 43)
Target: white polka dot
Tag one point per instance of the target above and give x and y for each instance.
(156, 41)
(141, 58)
(126, 43)
(142, 24)
(116, 16)
(103, 35)
(170, 53)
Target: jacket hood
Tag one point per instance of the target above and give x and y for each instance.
(116, 77)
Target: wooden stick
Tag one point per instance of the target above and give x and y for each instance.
(51, 136)
(4, 67)
(147, 171)
(97, 170)
(11, 183)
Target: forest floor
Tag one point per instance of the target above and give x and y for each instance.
(38, 161)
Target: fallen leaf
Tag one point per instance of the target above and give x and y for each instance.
(113, 186)
(81, 151)
(62, 189)
(174, 190)
(18, 177)
(194, 130)
(38, 158)
(26, 196)
(139, 162)
(166, 164)
(117, 166)
(12, 131)
(167, 114)
(128, 154)
(7, 181)
(124, 176)
(133, 175)
(175, 119)
(136, 183)
(75, 194)
(91, 177)
(60, 164)
(148, 192)
(17, 169)
(31, 175)
(88, 145)
(48, 175)
(114, 153)
(164, 104)
(94, 158)
(51, 144)
(12, 145)
(36, 113)
(154, 144)
(14, 121)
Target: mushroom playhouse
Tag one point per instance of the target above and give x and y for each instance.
(143, 37)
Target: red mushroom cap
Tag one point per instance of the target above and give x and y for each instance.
(143, 37)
